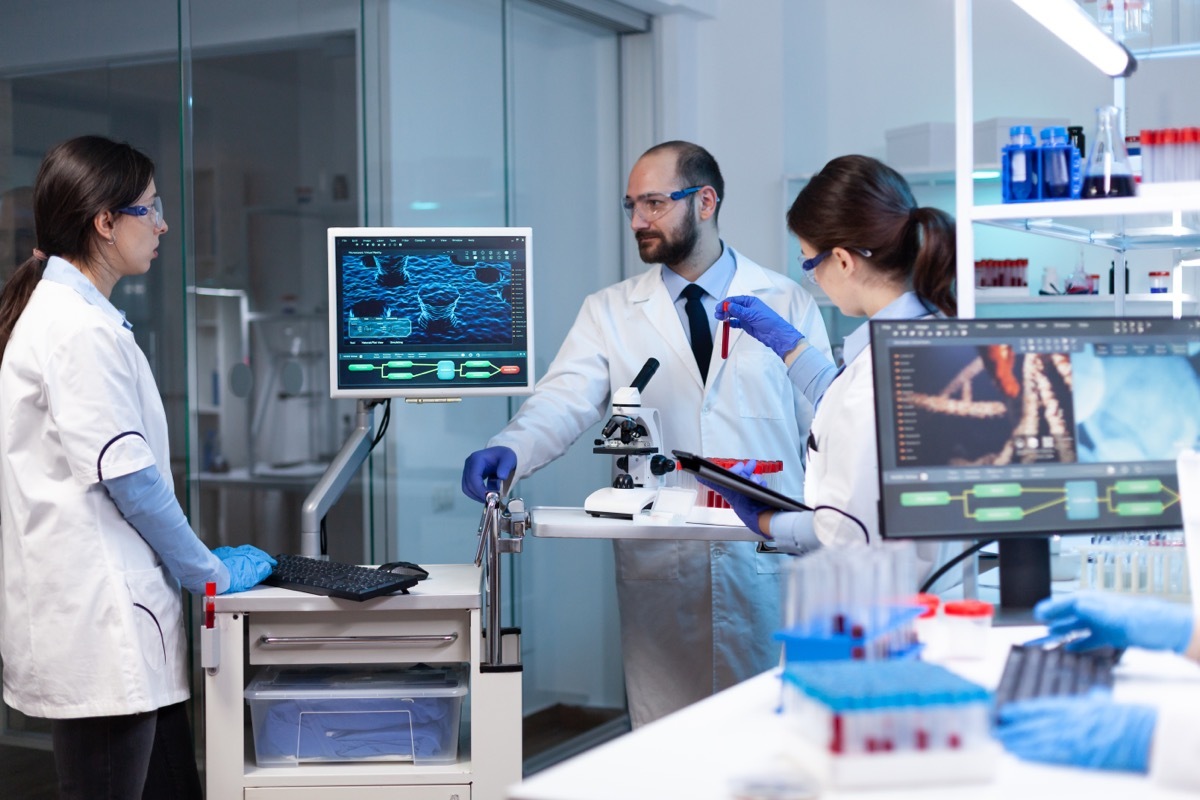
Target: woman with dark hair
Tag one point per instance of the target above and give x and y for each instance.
(93, 544)
(876, 254)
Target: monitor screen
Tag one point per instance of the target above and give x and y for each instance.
(1018, 428)
(430, 312)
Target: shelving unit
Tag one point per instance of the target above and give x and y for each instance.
(1154, 221)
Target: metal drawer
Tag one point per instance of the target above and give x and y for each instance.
(337, 637)
(462, 792)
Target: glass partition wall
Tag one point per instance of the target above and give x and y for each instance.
(270, 122)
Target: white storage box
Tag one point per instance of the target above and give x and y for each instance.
(343, 714)
(929, 145)
(992, 134)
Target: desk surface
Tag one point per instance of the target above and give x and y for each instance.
(448, 586)
(555, 522)
(697, 752)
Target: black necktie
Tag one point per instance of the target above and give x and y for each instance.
(698, 323)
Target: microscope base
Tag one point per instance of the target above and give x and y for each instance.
(619, 503)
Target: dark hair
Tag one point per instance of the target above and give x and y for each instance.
(77, 180)
(695, 167)
(858, 201)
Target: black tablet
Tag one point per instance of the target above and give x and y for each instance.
(723, 477)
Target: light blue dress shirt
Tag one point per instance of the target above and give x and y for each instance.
(715, 283)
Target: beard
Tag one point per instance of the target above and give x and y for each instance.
(670, 247)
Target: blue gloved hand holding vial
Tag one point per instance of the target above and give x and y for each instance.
(758, 319)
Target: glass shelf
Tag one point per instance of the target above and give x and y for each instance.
(1119, 223)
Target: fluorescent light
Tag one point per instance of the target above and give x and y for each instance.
(1069, 22)
(424, 205)
(986, 174)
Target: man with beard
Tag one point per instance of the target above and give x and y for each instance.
(696, 617)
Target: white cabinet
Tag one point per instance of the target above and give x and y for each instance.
(438, 622)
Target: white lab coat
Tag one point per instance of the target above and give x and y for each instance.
(91, 623)
(1176, 748)
(843, 469)
(696, 617)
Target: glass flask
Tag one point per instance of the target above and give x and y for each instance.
(1108, 173)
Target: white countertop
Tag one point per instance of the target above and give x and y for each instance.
(699, 752)
(448, 586)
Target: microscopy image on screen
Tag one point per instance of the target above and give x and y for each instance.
(428, 298)
(1142, 406)
(961, 405)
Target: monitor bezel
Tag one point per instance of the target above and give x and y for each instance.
(426, 394)
(878, 359)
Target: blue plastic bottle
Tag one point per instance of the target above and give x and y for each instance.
(1019, 166)
(1057, 156)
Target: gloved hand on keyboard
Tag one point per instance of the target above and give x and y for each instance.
(759, 320)
(485, 469)
(747, 510)
(247, 566)
(1081, 731)
(1118, 621)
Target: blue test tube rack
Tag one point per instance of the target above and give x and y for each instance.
(895, 638)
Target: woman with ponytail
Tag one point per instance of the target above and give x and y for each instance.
(93, 544)
(876, 254)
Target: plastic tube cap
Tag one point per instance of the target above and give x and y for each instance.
(968, 608)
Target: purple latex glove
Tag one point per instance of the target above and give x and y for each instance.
(746, 509)
(1117, 621)
(1082, 731)
(760, 321)
(485, 469)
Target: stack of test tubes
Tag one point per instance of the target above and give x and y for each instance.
(710, 506)
(991, 272)
(854, 603)
(1170, 154)
(890, 723)
(1136, 563)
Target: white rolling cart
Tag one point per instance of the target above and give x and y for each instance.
(439, 621)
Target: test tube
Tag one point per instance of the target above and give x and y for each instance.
(725, 334)
(210, 603)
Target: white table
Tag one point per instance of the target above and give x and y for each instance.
(557, 522)
(697, 752)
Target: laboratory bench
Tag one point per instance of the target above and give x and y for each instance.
(701, 751)
(439, 621)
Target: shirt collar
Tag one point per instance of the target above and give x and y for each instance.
(906, 306)
(715, 280)
(59, 270)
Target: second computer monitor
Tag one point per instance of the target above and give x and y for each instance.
(1018, 428)
(430, 313)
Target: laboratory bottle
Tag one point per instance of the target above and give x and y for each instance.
(1056, 160)
(1108, 173)
(1018, 166)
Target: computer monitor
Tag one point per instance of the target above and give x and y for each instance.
(1018, 429)
(430, 313)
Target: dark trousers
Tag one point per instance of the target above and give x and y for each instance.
(148, 756)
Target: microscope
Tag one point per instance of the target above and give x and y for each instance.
(632, 435)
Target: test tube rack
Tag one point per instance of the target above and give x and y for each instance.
(863, 724)
(892, 637)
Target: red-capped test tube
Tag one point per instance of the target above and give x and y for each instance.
(210, 603)
(725, 334)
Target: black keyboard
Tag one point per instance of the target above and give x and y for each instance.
(1034, 671)
(334, 579)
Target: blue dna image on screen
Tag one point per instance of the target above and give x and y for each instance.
(1136, 406)
(427, 299)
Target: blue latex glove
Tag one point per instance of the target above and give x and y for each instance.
(1117, 621)
(746, 509)
(758, 319)
(485, 469)
(247, 566)
(1083, 731)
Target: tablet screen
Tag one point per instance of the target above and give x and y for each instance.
(723, 477)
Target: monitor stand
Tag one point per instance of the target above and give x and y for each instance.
(1024, 579)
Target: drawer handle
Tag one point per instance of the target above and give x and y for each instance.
(283, 641)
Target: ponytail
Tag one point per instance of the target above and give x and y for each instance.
(15, 296)
(934, 265)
